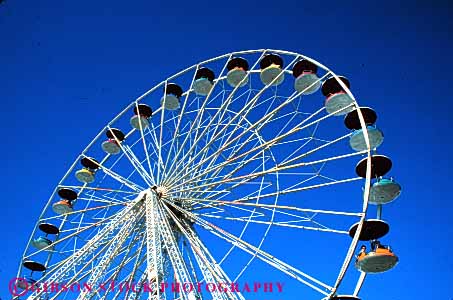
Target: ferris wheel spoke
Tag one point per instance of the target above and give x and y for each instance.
(225, 104)
(196, 125)
(180, 116)
(104, 199)
(210, 164)
(272, 142)
(110, 253)
(90, 247)
(137, 164)
(255, 215)
(114, 277)
(206, 101)
(194, 169)
(261, 122)
(272, 206)
(77, 232)
(215, 170)
(274, 170)
(159, 146)
(281, 224)
(278, 138)
(156, 146)
(133, 161)
(76, 212)
(118, 177)
(97, 189)
(78, 276)
(197, 121)
(141, 258)
(145, 148)
(292, 159)
(210, 269)
(264, 256)
(274, 194)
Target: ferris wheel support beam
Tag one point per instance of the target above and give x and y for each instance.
(213, 267)
(111, 252)
(135, 293)
(139, 261)
(170, 243)
(154, 271)
(123, 263)
(75, 233)
(210, 269)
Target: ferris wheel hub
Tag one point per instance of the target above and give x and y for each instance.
(161, 191)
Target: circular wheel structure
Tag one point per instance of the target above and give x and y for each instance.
(235, 170)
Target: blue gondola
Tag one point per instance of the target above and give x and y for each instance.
(41, 242)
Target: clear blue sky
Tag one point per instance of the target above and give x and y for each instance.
(58, 58)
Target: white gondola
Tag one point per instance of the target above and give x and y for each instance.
(338, 102)
(202, 86)
(85, 175)
(204, 81)
(307, 82)
(357, 140)
(136, 120)
(111, 147)
(271, 73)
(237, 76)
(384, 191)
(170, 102)
(62, 207)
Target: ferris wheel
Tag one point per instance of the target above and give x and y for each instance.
(250, 163)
